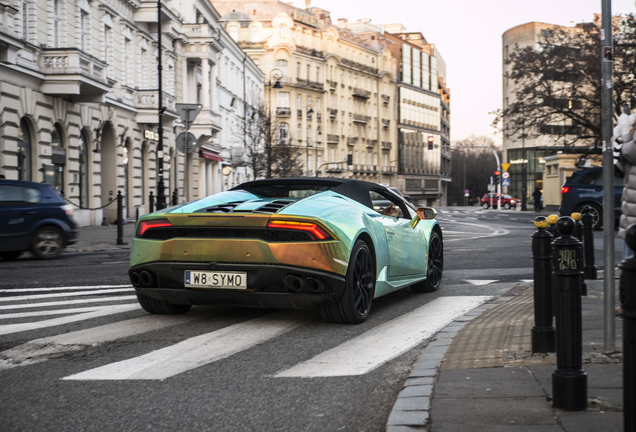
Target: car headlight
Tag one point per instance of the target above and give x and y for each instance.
(512, 201)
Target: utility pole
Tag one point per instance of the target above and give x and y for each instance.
(607, 52)
(161, 188)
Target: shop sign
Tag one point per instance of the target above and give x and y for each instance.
(151, 135)
(306, 19)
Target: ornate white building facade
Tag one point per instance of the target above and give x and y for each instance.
(79, 99)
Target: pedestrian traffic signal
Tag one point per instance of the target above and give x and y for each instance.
(430, 143)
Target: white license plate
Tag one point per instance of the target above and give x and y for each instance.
(228, 280)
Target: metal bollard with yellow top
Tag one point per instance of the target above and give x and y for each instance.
(578, 233)
(543, 333)
(552, 220)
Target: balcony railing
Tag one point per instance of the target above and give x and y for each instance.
(386, 123)
(361, 118)
(386, 145)
(385, 99)
(332, 84)
(148, 99)
(334, 168)
(361, 93)
(372, 143)
(72, 61)
(283, 112)
(387, 169)
(333, 112)
(352, 141)
(333, 138)
(310, 84)
(199, 30)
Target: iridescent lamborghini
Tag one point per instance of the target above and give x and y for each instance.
(326, 243)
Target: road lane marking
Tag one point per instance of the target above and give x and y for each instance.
(197, 351)
(86, 287)
(48, 312)
(71, 294)
(472, 235)
(102, 311)
(40, 350)
(479, 281)
(376, 347)
(67, 302)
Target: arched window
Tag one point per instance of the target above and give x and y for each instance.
(282, 30)
(255, 34)
(83, 170)
(25, 157)
(234, 32)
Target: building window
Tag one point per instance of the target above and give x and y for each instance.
(282, 31)
(317, 74)
(25, 20)
(308, 134)
(108, 57)
(234, 32)
(281, 65)
(25, 152)
(308, 72)
(283, 133)
(298, 70)
(57, 23)
(282, 101)
(143, 69)
(299, 102)
(126, 61)
(255, 34)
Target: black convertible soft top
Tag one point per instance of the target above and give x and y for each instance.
(357, 190)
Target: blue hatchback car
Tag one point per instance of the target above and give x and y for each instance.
(34, 217)
(585, 187)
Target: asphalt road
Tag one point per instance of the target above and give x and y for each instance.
(107, 365)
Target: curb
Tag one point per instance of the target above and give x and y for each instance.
(411, 409)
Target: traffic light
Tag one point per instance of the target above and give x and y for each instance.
(430, 143)
(497, 177)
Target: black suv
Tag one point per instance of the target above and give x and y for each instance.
(33, 217)
(585, 187)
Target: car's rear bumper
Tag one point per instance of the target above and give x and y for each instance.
(266, 286)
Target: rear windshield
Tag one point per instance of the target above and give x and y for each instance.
(287, 191)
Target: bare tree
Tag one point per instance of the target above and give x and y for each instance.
(471, 169)
(558, 84)
(267, 142)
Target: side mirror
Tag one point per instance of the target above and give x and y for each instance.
(423, 213)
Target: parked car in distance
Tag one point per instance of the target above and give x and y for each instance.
(585, 187)
(34, 217)
(491, 200)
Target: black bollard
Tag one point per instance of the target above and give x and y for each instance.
(175, 198)
(628, 313)
(590, 269)
(569, 381)
(151, 202)
(552, 220)
(120, 218)
(543, 330)
(578, 234)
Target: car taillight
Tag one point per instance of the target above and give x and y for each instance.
(565, 189)
(68, 209)
(312, 228)
(157, 223)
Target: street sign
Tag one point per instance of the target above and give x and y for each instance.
(505, 175)
(505, 166)
(188, 112)
(505, 182)
(181, 142)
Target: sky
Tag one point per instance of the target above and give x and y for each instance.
(468, 36)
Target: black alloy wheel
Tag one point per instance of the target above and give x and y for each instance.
(485, 206)
(507, 206)
(435, 266)
(355, 304)
(47, 242)
(596, 212)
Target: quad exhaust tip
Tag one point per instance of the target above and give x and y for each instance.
(308, 285)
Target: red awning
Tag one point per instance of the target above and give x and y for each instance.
(209, 155)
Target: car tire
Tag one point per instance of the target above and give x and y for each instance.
(355, 304)
(47, 243)
(10, 256)
(485, 206)
(597, 214)
(507, 206)
(435, 267)
(159, 307)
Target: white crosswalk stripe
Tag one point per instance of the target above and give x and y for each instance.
(357, 356)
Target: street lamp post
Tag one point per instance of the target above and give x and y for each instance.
(318, 141)
(310, 111)
(161, 188)
(524, 171)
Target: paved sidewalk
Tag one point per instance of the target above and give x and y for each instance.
(101, 238)
(479, 374)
